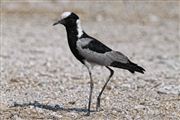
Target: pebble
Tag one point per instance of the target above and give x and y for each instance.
(169, 89)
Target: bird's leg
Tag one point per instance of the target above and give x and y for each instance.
(99, 96)
(91, 89)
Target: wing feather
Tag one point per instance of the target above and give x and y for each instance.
(117, 56)
(97, 53)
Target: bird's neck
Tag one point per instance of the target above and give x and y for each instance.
(79, 28)
(74, 31)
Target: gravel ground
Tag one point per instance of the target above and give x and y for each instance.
(40, 78)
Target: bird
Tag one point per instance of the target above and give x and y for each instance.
(89, 51)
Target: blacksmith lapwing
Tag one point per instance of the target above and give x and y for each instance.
(90, 52)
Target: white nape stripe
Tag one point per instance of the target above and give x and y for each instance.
(65, 15)
(79, 28)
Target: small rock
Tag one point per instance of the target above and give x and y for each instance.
(169, 89)
(72, 102)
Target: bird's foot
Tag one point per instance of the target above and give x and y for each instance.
(98, 104)
(88, 113)
(98, 108)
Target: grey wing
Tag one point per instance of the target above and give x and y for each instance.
(117, 56)
(104, 59)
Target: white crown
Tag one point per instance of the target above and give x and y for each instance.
(65, 14)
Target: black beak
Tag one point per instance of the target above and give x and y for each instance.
(59, 22)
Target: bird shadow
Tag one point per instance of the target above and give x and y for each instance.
(54, 108)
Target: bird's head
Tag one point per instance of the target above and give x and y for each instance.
(67, 19)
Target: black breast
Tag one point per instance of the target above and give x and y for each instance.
(72, 39)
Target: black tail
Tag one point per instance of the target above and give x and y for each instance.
(132, 67)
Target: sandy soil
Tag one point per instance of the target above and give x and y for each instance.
(41, 79)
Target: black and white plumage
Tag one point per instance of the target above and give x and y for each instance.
(90, 51)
